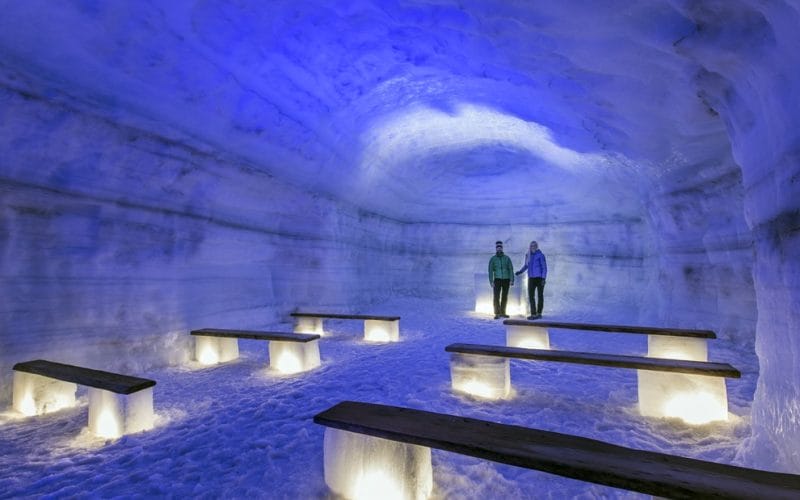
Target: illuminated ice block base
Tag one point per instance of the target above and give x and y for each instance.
(485, 377)
(365, 467)
(213, 350)
(483, 294)
(381, 331)
(293, 357)
(663, 346)
(37, 395)
(696, 399)
(309, 325)
(111, 415)
(527, 337)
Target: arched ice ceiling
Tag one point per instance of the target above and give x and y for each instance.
(468, 112)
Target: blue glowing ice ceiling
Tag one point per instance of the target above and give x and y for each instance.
(402, 107)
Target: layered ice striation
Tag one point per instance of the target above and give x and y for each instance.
(173, 166)
(117, 243)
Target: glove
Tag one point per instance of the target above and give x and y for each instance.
(517, 273)
(511, 284)
(544, 281)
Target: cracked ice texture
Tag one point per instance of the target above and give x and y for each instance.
(170, 164)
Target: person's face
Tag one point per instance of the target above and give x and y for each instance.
(498, 249)
(534, 246)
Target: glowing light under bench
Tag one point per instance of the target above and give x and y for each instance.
(294, 357)
(361, 467)
(111, 415)
(304, 324)
(485, 377)
(527, 337)
(695, 399)
(688, 348)
(376, 328)
(381, 331)
(213, 350)
(37, 395)
(483, 295)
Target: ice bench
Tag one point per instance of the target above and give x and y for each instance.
(372, 448)
(376, 328)
(691, 390)
(288, 352)
(118, 404)
(673, 343)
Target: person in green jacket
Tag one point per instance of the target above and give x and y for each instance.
(501, 276)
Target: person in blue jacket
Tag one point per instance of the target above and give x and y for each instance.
(536, 265)
(501, 277)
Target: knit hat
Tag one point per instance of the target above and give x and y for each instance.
(498, 244)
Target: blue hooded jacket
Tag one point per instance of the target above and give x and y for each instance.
(536, 265)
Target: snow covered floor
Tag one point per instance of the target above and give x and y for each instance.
(239, 430)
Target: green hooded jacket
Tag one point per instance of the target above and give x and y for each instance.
(500, 267)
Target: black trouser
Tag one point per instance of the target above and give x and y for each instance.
(500, 296)
(536, 285)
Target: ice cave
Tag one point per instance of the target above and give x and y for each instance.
(171, 166)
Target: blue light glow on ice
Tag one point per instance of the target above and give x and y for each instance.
(418, 131)
(226, 162)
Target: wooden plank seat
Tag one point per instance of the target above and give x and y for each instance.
(376, 328)
(288, 352)
(672, 343)
(298, 314)
(118, 404)
(649, 330)
(694, 391)
(365, 440)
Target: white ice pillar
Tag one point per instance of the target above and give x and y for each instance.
(365, 467)
(486, 377)
(304, 324)
(527, 337)
(36, 394)
(524, 304)
(381, 331)
(111, 415)
(696, 399)
(689, 348)
(517, 300)
(293, 357)
(483, 294)
(213, 350)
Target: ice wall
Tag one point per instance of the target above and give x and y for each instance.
(749, 54)
(704, 249)
(115, 242)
